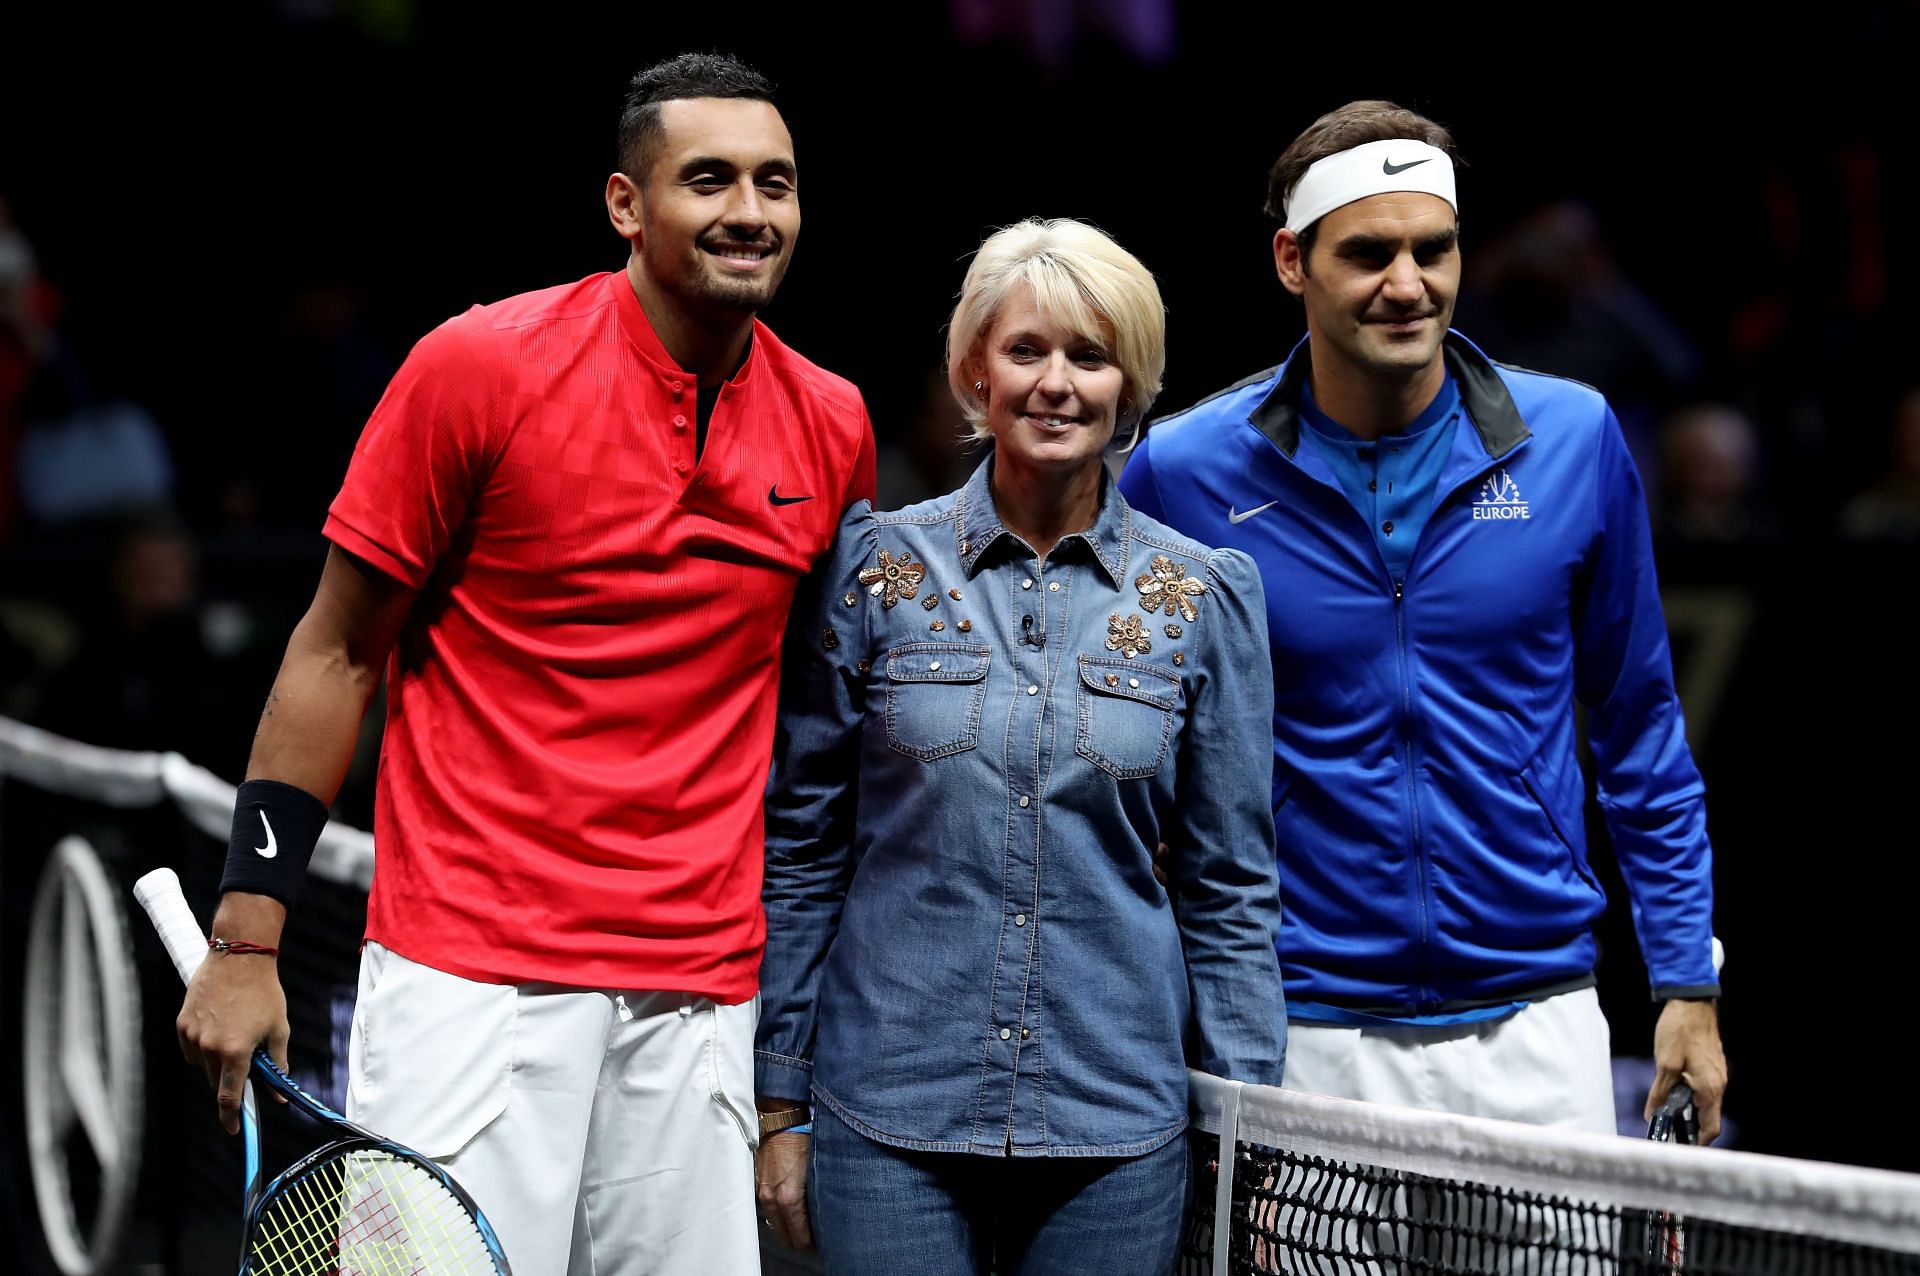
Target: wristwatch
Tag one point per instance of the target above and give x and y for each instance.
(784, 1119)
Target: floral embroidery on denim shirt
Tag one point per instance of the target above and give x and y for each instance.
(1128, 637)
(895, 578)
(1168, 586)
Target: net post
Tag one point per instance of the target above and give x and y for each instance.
(1223, 1184)
(1217, 1104)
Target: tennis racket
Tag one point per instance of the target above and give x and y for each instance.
(359, 1206)
(1674, 1121)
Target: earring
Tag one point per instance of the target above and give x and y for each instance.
(979, 387)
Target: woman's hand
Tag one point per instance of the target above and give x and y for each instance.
(780, 1182)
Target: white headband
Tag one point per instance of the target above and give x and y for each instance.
(1374, 168)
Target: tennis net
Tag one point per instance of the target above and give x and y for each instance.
(1297, 1183)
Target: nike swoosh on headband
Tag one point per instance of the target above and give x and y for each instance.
(1390, 168)
(1235, 516)
(272, 848)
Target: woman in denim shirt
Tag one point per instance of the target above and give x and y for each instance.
(995, 706)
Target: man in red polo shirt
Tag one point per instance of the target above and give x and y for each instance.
(570, 532)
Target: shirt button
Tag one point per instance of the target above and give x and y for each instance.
(1387, 527)
(675, 386)
(1053, 586)
(679, 467)
(1373, 485)
(1027, 584)
(1019, 919)
(679, 423)
(1006, 1033)
(934, 667)
(1025, 1033)
(1025, 800)
(1032, 690)
(1134, 683)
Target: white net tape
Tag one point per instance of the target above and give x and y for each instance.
(120, 778)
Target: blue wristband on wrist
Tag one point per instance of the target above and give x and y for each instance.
(275, 828)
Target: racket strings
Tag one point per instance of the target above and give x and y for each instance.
(367, 1213)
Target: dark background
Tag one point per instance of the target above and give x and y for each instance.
(242, 216)
(229, 201)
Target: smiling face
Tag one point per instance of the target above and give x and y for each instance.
(718, 212)
(1380, 287)
(1052, 393)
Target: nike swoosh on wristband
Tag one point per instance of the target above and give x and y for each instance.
(272, 848)
(773, 494)
(1235, 516)
(1390, 168)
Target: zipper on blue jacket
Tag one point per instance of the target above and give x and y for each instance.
(1422, 868)
(1421, 874)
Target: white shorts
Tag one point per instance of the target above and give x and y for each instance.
(603, 1132)
(1549, 1064)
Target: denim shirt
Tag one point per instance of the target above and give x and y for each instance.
(967, 948)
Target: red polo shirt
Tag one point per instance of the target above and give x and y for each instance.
(580, 707)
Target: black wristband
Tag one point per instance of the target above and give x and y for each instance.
(275, 828)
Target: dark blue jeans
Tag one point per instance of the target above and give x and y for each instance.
(885, 1211)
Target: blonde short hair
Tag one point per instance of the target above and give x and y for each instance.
(1081, 280)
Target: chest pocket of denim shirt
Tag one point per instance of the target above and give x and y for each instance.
(1125, 716)
(934, 695)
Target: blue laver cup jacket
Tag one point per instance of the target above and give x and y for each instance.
(967, 949)
(1427, 797)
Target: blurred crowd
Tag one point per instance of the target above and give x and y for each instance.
(110, 631)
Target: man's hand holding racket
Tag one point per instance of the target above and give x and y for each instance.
(1686, 1047)
(234, 1002)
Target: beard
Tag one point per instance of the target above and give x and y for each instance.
(704, 284)
(739, 294)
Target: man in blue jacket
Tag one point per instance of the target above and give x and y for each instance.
(1454, 552)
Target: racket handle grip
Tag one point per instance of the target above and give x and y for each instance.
(159, 893)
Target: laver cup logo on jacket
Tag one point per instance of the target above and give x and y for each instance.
(1500, 499)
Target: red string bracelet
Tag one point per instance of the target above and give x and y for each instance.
(241, 947)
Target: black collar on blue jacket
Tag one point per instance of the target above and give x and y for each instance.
(1482, 393)
(977, 524)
